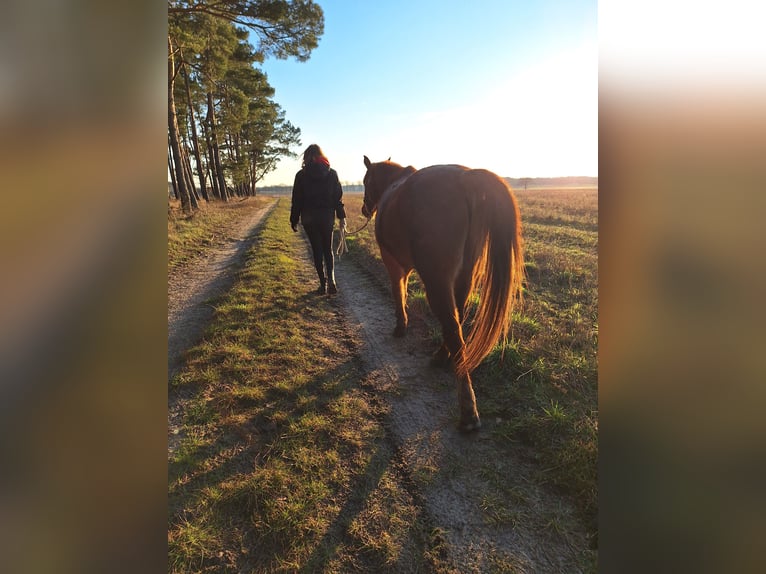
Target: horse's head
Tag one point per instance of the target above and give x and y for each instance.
(372, 190)
(377, 179)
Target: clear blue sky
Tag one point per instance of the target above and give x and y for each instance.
(506, 85)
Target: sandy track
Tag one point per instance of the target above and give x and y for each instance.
(189, 290)
(447, 465)
(190, 287)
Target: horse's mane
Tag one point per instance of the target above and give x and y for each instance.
(389, 166)
(390, 170)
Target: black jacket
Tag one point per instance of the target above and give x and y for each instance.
(316, 187)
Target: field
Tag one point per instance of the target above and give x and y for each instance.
(287, 464)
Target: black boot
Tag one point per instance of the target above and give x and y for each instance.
(322, 286)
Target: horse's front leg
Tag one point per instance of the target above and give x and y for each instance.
(399, 277)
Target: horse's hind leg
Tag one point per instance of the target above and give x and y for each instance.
(463, 285)
(399, 277)
(442, 301)
(469, 416)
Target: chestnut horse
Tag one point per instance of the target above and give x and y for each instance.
(460, 229)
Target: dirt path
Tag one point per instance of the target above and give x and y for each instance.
(189, 290)
(448, 466)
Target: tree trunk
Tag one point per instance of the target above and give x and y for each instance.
(172, 173)
(188, 175)
(193, 195)
(252, 172)
(235, 143)
(195, 140)
(209, 151)
(216, 153)
(213, 179)
(175, 147)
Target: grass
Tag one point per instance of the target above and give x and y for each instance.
(285, 465)
(554, 409)
(541, 384)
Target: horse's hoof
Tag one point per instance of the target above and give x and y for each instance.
(470, 426)
(440, 359)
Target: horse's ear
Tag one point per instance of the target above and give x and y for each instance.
(367, 162)
(389, 158)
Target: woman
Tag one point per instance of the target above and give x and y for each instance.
(317, 196)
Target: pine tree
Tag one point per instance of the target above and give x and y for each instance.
(244, 131)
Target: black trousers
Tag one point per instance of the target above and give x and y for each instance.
(318, 224)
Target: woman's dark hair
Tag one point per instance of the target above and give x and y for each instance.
(312, 152)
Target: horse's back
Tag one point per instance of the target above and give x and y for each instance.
(432, 192)
(433, 212)
(436, 177)
(449, 179)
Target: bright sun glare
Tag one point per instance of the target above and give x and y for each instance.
(540, 121)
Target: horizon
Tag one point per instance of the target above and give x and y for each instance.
(360, 182)
(345, 183)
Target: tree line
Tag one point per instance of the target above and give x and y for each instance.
(224, 127)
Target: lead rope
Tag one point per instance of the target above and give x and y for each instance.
(342, 247)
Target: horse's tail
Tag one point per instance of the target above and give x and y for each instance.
(499, 271)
